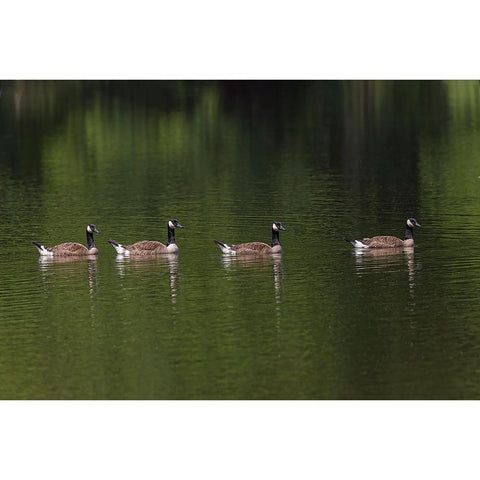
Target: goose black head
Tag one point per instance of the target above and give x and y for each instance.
(91, 228)
(277, 226)
(411, 222)
(174, 223)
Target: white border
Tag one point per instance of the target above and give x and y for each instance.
(239, 440)
(215, 39)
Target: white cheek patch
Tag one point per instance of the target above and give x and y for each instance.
(409, 223)
(275, 227)
(89, 230)
(170, 224)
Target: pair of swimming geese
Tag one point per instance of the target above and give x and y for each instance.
(151, 247)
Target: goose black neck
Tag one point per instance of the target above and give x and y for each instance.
(408, 233)
(90, 243)
(171, 235)
(275, 237)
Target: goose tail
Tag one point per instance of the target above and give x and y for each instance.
(42, 249)
(356, 243)
(224, 247)
(119, 247)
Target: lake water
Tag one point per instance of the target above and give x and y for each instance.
(327, 159)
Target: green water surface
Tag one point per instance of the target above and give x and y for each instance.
(327, 159)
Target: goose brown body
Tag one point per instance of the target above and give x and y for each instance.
(71, 248)
(255, 248)
(388, 241)
(384, 241)
(150, 247)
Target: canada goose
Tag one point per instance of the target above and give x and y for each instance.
(71, 248)
(255, 248)
(388, 241)
(150, 247)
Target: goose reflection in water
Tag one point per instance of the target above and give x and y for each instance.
(147, 264)
(70, 267)
(252, 261)
(385, 258)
